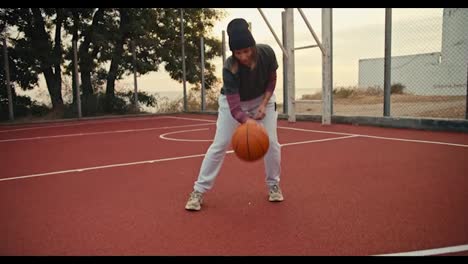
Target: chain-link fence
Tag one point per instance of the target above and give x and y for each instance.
(428, 69)
(429, 62)
(355, 42)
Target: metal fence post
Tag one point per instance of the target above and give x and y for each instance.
(326, 66)
(8, 83)
(135, 74)
(290, 71)
(182, 37)
(202, 51)
(77, 79)
(285, 66)
(387, 60)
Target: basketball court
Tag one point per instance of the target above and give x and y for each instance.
(119, 186)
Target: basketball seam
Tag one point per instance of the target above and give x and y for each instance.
(258, 144)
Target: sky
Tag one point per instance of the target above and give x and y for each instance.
(358, 33)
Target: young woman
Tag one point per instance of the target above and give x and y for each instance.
(247, 96)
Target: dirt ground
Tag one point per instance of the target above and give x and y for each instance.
(401, 106)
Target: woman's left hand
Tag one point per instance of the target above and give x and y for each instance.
(261, 112)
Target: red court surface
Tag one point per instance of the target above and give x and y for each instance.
(119, 187)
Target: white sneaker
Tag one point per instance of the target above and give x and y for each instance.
(275, 194)
(195, 201)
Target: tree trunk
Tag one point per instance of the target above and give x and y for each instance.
(40, 36)
(86, 60)
(58, 59)
(76, 21)
(116, 59)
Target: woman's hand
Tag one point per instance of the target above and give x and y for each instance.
(261, 112)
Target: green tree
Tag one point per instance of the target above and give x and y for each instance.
(41, 45)
(156, 34)
(33, 48)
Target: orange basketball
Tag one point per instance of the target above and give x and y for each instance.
(250, 142)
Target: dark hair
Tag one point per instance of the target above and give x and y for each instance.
(235, 62)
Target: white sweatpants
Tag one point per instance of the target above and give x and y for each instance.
(225, 127)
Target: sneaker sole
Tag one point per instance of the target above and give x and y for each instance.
(276, 200)
(190, 208)
(193, 208)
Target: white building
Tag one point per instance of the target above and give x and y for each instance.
(438, 73)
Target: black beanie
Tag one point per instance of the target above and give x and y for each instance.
(239, 35)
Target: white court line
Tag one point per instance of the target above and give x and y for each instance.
(84, 122)
(417, 141)
(316, 131)
(316, 140)
(164, 136)
(100, 167)
(101, 133)
(211, 121)
(148, 161)
(192, 119)
(429, 252)
(349, 134)
(378, 137)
